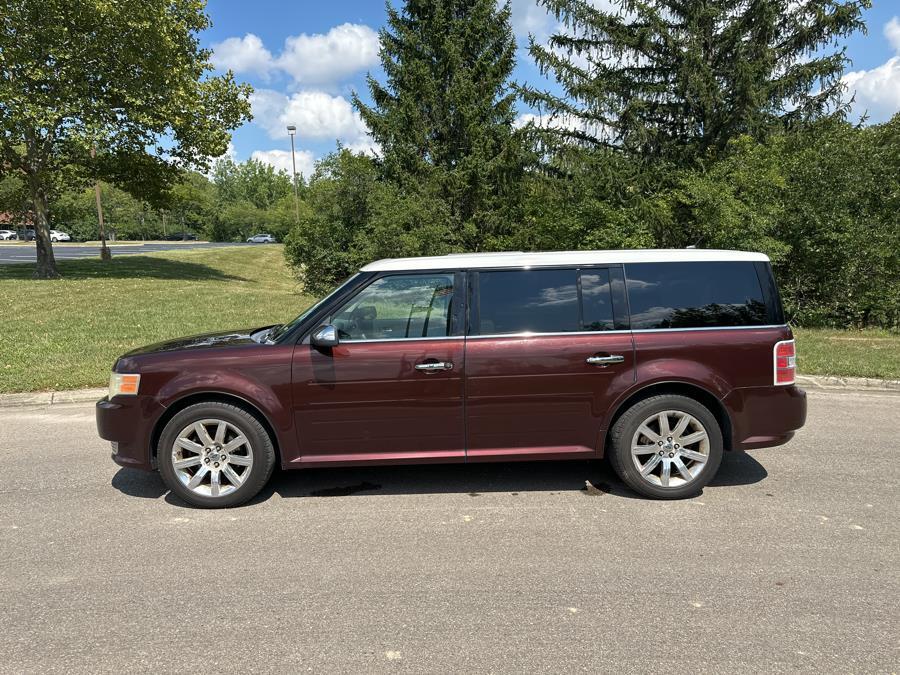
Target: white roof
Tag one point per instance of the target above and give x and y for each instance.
(558, 258)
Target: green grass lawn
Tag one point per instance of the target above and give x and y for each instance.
(870, 353)
(66, 334)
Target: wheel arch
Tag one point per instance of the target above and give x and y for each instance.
(680, 388)
(211, 397)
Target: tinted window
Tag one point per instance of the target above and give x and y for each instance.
(695, 295)
(596, 300)
(398, 307)
(543, 301)
(537, 301)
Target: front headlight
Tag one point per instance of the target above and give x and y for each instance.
(122, 384)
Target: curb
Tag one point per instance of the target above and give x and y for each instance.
(42, 398)
(847, 383)
(813, 382)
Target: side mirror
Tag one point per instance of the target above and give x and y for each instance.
(325, 336)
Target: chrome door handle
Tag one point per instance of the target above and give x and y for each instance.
(605, 360)
(434, 366)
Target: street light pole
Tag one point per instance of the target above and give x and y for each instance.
(291, 131)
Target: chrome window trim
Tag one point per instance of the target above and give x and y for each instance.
(681, 330)
(622, 332)
(402, 339)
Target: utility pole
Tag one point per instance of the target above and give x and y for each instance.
(104, 251)
(291, 131)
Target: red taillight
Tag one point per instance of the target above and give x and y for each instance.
(785, 362)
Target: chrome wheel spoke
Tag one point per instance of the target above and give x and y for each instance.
(682, 425)
(665, 473)
(663, 418)
(650, 465)
(220, 433)
(696, 456)
(214, 483)
(682, 469)
(190, 446)
(644, 449)
(202, 433)
(696, 437)
(235, 443)
(232, 477)
(240, 460)
(185, 463)
(198, 477)
(648, 432)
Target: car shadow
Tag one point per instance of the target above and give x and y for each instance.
(591, 478)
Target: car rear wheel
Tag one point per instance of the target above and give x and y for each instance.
(666, 447)
(215, 455)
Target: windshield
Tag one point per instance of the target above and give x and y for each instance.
(285, 328)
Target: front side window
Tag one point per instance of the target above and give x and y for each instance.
(695, 295)
(398, 307)
(544, 301)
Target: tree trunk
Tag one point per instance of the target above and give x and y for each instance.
(46, 261)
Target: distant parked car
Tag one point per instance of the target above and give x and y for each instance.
(182, 237)
(58, 235)
(261, 239)
(26, 235)
(8, 235)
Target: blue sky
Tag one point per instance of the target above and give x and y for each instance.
(304, 59)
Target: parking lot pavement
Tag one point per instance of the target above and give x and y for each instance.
(17, 253)
(788, 562)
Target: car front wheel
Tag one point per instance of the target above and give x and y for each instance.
(215, 455)
(666, 447)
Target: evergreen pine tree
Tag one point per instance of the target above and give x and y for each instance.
(678, 79)
(444, 118)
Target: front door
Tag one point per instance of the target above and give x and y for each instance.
(392, 390)
(548, 351)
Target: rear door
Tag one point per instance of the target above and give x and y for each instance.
(547, 351)
(392, 390)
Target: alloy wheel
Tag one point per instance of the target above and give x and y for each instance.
(670, 448)
(212, 457)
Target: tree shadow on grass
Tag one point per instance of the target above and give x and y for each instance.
(124, 267)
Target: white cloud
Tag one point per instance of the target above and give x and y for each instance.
(327, 58)
(892, 33)
(529, 17)
(320, 59)
(877, 91)
(317, 115)
(243, 55)
(281, 160)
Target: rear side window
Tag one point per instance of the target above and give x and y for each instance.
(695, 295)
(544, 301)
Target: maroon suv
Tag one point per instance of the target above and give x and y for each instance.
(662, 360)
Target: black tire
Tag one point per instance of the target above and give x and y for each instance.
(626, 427)
(261, 449)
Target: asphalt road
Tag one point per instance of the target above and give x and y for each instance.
(788, 562)
(25, 254)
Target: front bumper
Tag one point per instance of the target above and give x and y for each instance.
(763, 417)
(128, 422)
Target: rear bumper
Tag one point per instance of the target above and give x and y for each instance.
(127, 422)
(763, 417)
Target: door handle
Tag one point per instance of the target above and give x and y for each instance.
(434, 366)
(604, 361)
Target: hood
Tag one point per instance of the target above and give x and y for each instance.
(206, 341)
